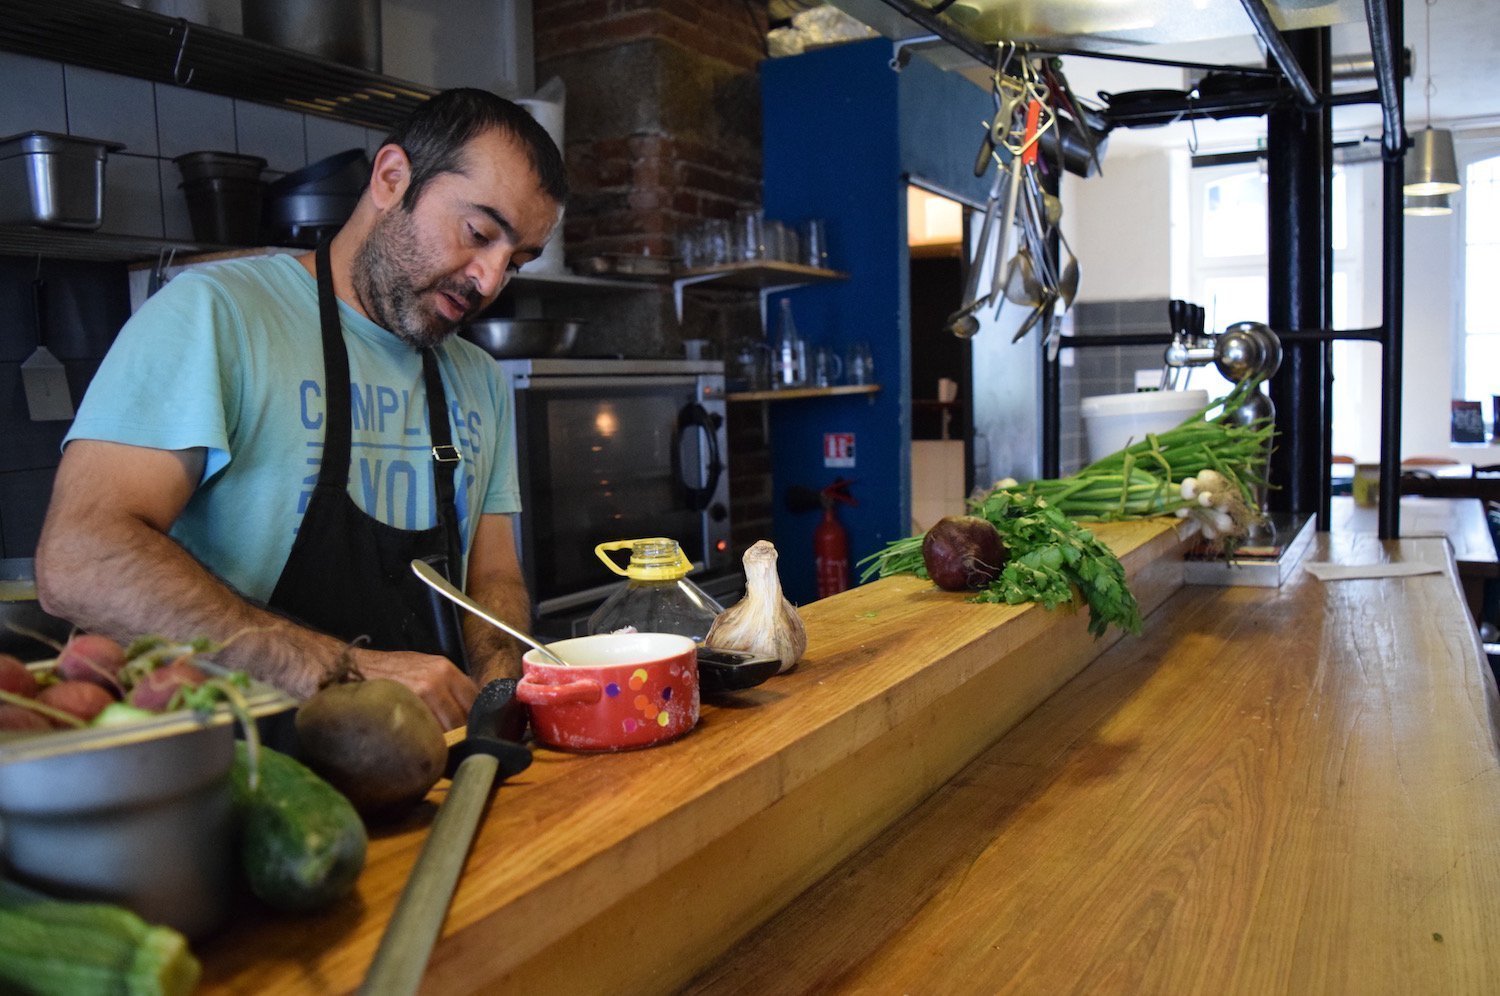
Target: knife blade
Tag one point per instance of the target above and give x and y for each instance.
(489, 753)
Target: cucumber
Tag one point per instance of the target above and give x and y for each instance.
(51, 946)
(302, 843)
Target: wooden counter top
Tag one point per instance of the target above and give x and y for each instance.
(629, 872)
(1291, 791)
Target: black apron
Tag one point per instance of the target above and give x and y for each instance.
(349, 574)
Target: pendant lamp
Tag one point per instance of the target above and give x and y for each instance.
(1430, 165)
(1430, 206)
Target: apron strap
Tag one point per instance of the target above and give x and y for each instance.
(444, 456)
(334, 470)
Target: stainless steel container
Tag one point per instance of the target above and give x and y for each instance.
(137, 815)
(519, 338)
(53, 180)
(344, 31)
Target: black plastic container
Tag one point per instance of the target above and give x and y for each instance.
(313, 202)
(224, 195)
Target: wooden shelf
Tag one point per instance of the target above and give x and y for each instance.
(758, 274)
(790, 393)
(765, 276)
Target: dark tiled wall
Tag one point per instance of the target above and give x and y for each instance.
(1104, 369)
(85, 305)
(88, 302)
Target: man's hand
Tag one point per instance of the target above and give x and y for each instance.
(445, 689)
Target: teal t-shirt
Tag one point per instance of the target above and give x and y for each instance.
(229, 357)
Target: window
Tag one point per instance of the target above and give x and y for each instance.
(1228, 277)
(1479, 355)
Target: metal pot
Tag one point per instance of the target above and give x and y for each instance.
(515, 338)
(344, 31)
(620, 691)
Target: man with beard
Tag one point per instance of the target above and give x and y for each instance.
(271, 441)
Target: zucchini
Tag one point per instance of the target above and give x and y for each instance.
(302, 843)
(50, 946)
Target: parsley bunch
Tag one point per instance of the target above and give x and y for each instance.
(1052, 560)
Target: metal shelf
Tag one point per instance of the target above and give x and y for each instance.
(98, 247)
(109, 36)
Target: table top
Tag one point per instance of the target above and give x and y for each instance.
(1461, 521)
(1284, 790)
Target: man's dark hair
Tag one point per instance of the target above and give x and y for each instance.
(434, 136)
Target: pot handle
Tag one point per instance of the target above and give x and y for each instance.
(533, 692)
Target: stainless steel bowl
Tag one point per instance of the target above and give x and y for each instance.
(517, 338)
(138, 815)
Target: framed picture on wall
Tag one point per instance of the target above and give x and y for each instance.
(1468, 422)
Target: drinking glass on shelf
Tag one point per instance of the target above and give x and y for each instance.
(861, 364)
(750, 235)
(714, 242)
(813, 234)
(828, 368)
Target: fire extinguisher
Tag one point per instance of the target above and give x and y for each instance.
(831, 541)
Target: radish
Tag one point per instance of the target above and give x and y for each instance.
(18, 719)
(16, 677)
(93, 658)
(963, 551)
(82, 699)
(156, 689)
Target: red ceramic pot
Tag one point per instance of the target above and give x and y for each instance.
(620, 690)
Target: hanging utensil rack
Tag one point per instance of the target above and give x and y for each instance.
(1301, 468)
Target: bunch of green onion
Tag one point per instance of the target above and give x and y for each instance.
(1144, 479)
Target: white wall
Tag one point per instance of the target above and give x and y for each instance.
(1126, 227)
(1119, 224)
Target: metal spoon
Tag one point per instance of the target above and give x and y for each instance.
(440, 584)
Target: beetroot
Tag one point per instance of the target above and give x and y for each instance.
(92, 658)
(155, 689)
(18, 719)
(16, 677)
(962, 552)
(83, 699)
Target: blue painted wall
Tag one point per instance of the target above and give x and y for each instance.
(842, 132)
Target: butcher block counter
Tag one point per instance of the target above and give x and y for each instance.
(1291, 790)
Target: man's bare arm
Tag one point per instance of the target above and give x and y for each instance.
(106, 563)
(494, 581)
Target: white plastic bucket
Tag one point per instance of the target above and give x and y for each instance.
(1113, 421)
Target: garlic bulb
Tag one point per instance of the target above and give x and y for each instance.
(763, 622)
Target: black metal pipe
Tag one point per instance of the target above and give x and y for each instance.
(1171, 63)
(1051, 440)
(1299, 154)
(1392, 303)
(1132, 339)
(1383, 17)
(1280, 50)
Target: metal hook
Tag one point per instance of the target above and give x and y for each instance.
(900, 50)
(177, 76)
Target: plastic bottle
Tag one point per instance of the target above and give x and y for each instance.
(791, 351)
(659, 597)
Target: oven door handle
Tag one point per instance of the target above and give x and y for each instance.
(692, 418)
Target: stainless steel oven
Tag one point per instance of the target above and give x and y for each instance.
(615, 449)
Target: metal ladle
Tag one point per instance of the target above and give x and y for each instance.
(441, 585)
